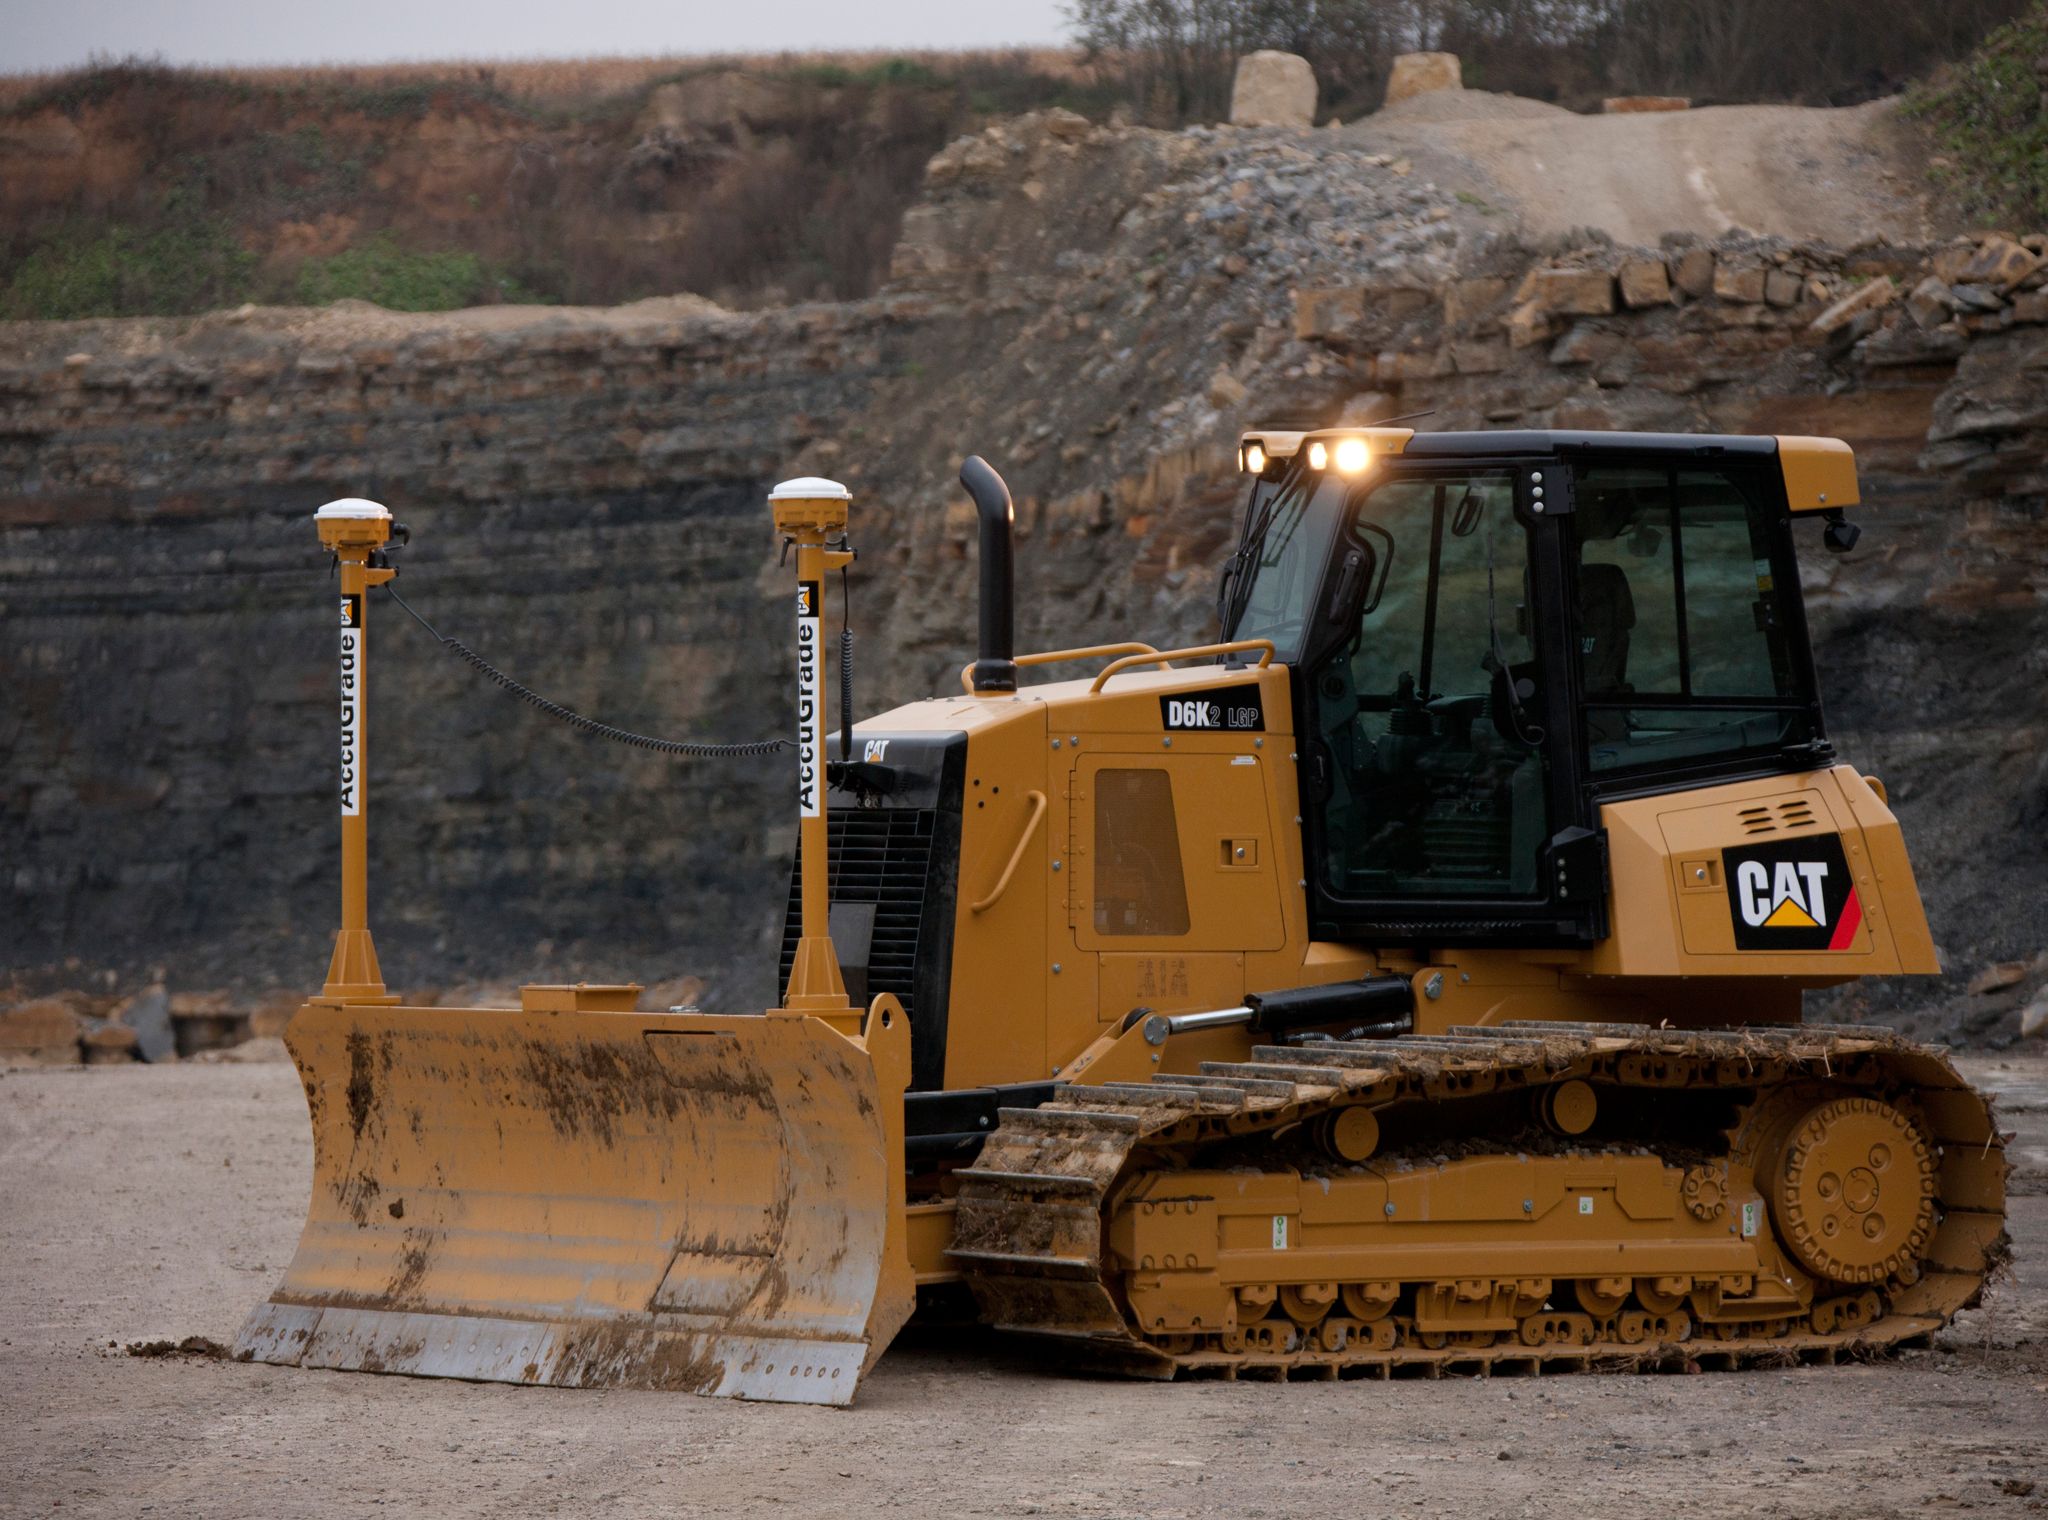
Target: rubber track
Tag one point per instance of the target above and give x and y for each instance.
(1028, 1232)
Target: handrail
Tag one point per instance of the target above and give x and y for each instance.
(1003, 882)
(1057, 656)
(1194, 652)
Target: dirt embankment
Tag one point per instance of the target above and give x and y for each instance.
(1839, 176)
(130, 190)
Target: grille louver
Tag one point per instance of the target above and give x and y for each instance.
(1769, 818)
(880, 856)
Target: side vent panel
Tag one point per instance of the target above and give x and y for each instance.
(893, 884)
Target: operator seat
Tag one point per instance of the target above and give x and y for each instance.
(1607, 612)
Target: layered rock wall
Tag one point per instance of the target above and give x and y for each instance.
(585, 497)
(1097, 311)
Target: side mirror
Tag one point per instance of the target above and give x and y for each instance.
(1354, 575)
(1840, 535)
(1379, 562)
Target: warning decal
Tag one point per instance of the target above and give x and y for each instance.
(1793, 894)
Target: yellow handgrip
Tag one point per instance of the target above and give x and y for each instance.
(1058, 656)
(1198, 651)
(1003, 881)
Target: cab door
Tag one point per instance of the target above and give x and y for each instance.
(1443, 800)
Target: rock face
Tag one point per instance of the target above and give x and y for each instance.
(1096, 310)
(1273, 89)
(1420, 73)
(614, 465)
(44, 1032)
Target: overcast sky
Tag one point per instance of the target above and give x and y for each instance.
(47, 34)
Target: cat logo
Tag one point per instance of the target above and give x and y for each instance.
(351, 612)
(874, 751)
(1792, 895)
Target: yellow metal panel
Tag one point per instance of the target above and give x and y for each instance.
(1219, 802)
(1820, 474)
(621, 997)
(930, 1231)
(597, 1198)
(1667, 923)
(1694, 838)
(1168, 983)
(1002, 980)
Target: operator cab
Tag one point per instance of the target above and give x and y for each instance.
(1492, 633)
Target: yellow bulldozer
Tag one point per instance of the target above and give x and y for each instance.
(1408, 981)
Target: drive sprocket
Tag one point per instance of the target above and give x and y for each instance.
(1854, 1191)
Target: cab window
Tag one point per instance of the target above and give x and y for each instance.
(1684, 625)
(1438, 779)
(1281, 561)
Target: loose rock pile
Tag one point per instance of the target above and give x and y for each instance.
(74, 1027)
(1587, 303)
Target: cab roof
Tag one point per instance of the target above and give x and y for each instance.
(1820, 473)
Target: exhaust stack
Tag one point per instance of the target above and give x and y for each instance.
(995, 665)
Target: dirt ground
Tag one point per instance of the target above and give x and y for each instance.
(161, 1202)
(1835, 176)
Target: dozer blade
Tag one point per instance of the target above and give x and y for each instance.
(695, 1202)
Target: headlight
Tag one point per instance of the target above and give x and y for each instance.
(1351, 455)
(1318, 457)
(1254, 459)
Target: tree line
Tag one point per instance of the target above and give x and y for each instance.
(1174, 59)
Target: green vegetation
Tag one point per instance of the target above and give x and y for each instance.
(899, 73)
(402, 280)
(194, 264)
(187, 264)
(1990, 118)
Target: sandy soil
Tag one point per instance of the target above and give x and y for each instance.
(143, 1202)
(1833, 175)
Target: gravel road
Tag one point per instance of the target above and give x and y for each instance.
(161, 1202)
(1835, 176)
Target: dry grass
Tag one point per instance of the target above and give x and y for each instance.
(576, 82)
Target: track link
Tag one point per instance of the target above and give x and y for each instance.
(1037, 1211)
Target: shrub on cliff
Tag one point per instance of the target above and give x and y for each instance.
(1990, 115)
(402, 279)
(82, 269)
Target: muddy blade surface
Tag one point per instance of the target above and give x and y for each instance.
(592, 1199)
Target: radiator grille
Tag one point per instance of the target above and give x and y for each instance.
(880, 856)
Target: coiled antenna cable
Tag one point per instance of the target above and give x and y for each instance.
(591, 726)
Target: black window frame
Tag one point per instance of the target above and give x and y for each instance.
(1761, 480)
(1570, 908)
